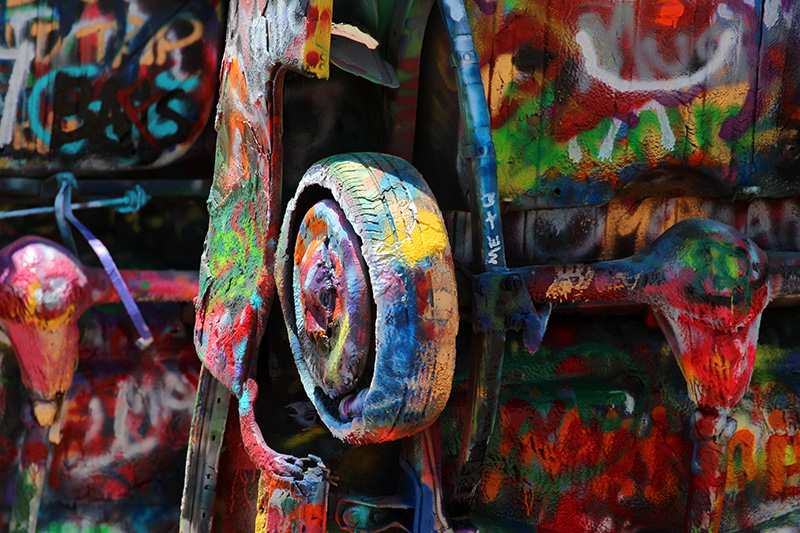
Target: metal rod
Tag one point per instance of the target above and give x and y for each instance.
(478, 146)
(486, 368)
(128, 201)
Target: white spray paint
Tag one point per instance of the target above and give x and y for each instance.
(608, 143)
(455, 9)
(727, 45)
(169, 397)
(772, 12)
(667, 135)
(22, 57)
(574, 148)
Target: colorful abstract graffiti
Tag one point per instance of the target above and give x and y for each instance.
(119, 463)
(639, 154)
(586, 96)
(104, 84)
(110, 454)
(635, 117)
(591, 434)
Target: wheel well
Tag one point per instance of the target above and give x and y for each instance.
(327, 117)
(309, 196)
(438, 121)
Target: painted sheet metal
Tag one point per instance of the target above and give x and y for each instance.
(236, 279)
(586, 96)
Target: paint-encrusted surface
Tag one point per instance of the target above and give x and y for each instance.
(234, 275)
(236, 279)
(43, 293)
(104, 85)
(118, 467)
(593, 435)
(334, 311)
(585, 96)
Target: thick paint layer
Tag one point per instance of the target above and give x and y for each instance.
(592, 434)
(331, 294)
(117, 465)
(412, 283)
(44, 290)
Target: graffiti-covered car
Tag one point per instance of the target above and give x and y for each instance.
(420, 183)
(105, 106)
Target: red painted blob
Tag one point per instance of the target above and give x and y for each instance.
(43, 292)
(709, 306)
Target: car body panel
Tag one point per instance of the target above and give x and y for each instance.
(586, 96)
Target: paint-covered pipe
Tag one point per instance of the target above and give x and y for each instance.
(486, 366)
(478, 146)
(608, 281)
(146, 286)
(707, 285)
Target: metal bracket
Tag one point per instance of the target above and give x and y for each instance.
(202, 458)
(501, 302)
(402, 510)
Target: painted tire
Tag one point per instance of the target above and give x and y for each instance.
(333, 308)
(363, 237)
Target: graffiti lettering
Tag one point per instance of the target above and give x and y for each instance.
(129, 88)
(491, 217)
(594, 95)
(127, 424)
(161, 46)
(77, 119)
(494, 250)
(80, 119)
(716, 62)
